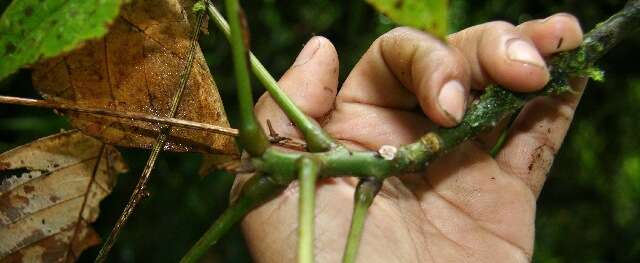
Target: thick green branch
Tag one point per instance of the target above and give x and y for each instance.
(251, 137)
(366, 191)
(255, 191)
(317, 139)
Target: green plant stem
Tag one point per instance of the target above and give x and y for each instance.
(502, 138)
(308, 174)
(255, 191)
(499, 143)
(251, 137)
(317, 139)
(366, 191)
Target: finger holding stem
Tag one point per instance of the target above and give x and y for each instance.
(308, 170)
(366, 191)
(492, 107)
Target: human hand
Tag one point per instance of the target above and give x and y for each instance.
(467, 206)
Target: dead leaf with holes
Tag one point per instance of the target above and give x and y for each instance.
(136, 67)
(49, 194)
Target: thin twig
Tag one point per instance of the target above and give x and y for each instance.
(139, 192)
(76, 229)
(281, 141)
(276, 138)
(124, 115)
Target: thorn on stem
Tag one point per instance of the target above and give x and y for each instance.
(275, 138)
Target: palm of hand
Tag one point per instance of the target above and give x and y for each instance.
(468, 206)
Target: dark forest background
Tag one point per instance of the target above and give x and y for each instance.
(587, 212)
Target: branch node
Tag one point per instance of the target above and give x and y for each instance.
(432, 141)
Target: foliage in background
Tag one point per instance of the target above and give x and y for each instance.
(48, 28)
(428, 15)
(588, 208)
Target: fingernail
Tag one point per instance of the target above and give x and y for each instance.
(307, 52)
(521, 51)
(452, 100)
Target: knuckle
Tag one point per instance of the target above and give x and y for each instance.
(565, 16)
(395, 34)
(407, 33)
(461, 61)
(493, 31)
(499, 26)
(401, 31)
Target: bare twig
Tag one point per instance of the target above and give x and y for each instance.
(283, 141)
(124, 115)
(174, 122)
(69, 252)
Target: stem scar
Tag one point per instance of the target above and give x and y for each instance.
(432, 141)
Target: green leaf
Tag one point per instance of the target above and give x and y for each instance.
(426, 15)
(36, 29)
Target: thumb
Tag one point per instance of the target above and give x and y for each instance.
(311, 82)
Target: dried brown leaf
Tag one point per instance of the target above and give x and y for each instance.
(49, 194)
(136, 67)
